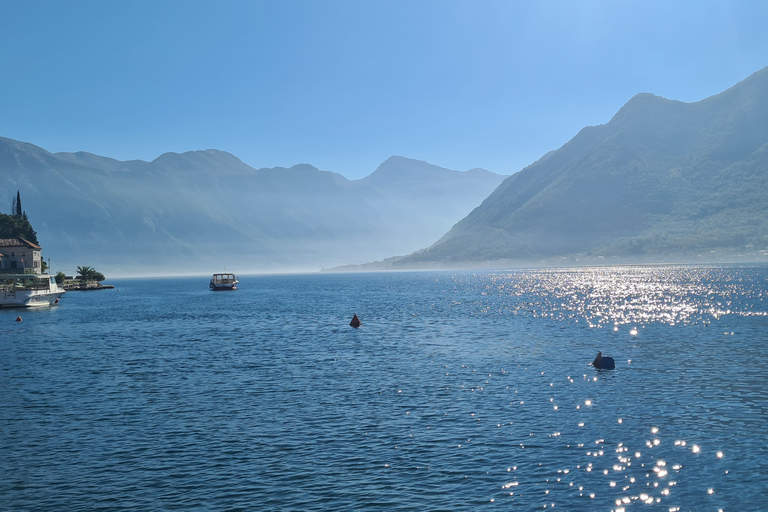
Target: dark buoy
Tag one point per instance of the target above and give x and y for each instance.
(355, 322)
(18, 319)
(56, 301)
(603, 362)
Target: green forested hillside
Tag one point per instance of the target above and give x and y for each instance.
(663, 180)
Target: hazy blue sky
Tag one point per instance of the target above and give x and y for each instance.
(343, 85)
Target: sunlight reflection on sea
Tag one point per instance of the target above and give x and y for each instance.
(461, 391)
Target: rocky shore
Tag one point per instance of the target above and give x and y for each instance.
(88, 286)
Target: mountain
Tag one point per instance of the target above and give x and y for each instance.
(400, 186)
(199, 211)
(662, 181)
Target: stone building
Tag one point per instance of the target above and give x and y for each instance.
(19, 256)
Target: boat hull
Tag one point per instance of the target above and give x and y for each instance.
(222, 288)
(34, 301)
(28, 291)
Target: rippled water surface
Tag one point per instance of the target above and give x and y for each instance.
(461, 391)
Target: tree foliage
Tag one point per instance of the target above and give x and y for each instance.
(12, 226)
(16, 209)
(90, 274)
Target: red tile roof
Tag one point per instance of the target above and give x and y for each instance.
(18, 242)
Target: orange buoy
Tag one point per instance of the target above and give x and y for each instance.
(18, 319)
(355, 322)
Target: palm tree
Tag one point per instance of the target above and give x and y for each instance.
(90, 274)
(85, 273)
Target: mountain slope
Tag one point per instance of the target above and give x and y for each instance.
(198, 211)
(400, 186)
(663, 180)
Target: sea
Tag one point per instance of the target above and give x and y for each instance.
(461, 391)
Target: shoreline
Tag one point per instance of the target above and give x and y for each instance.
(85, 287)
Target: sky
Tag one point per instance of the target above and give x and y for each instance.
(345, 84)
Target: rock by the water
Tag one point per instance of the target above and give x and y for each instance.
(607, 363)
(87, 286)
(602, 362)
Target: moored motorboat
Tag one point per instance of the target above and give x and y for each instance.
(28, 290)
(221, 282)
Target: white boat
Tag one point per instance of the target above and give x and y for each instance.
(221, 282)
(28, 290)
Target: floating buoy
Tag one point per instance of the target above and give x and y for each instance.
(355, 322)
(603, 362)
(56, 301)
(18, 319)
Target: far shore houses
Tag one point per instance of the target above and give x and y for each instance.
(19, 256)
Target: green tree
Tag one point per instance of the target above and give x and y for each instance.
(16, 227)
(60, 277)
(90, 274)
(84, 273)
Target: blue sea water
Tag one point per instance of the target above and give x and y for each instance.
(460, 391)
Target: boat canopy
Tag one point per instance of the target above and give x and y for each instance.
(223, 278)
(21, 282)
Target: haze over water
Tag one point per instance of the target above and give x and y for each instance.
(461, 391)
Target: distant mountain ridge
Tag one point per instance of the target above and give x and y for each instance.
(662, 181)
(199, 211)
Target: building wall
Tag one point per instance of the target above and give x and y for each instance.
(18, 259)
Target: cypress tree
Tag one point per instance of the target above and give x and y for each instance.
(18, 211)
